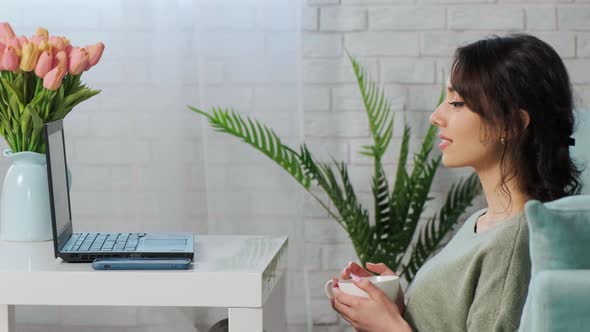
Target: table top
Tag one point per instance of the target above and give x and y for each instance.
(227, 271)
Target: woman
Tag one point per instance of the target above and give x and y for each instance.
(508, 115)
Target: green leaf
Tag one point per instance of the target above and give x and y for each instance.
(36, 135)
(56, 106)
(70, 101)
(13, 91)
(25, 121)
(15, 107)
(254, 133)
(378, 110)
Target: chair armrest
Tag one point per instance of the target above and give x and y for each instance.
(560, 300)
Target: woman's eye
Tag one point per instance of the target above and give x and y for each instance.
(457, 103)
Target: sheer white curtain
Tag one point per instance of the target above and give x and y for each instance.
(249, 60)
(142, 161)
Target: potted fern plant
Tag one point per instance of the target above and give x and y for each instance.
(398, 207)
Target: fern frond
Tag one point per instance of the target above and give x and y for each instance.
(378, 108)
(259, 136)
(422, 156)
(414, 187)
(420, 189)
(356, 217)
(399, 197)
(382, 199)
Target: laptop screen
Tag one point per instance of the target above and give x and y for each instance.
(55, 152)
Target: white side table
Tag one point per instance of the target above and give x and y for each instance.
(242, 273)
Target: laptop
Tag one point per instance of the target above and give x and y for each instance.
(84, 246)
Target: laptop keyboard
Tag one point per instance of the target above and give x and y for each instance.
(104, 242)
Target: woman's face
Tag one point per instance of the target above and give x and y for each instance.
(463, 134)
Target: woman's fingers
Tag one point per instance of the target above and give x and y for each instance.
(341, 309)
(336, 306)
(347, 299)
(374, 292)
(357, 270)
(343, 303)
(381, 269)
(345, 274)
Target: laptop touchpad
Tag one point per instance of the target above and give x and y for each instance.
(165, 244)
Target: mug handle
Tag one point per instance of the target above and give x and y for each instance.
(329, 288)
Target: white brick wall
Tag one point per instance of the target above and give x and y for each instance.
(443, 43)
(412, 70)
(407, 45)
(332, 71)
(343, 19)
(380, 43)
(541, 17)
(579, 71)
(322, 45)
(583, 49)
(316, 98)
(495, 17)
(342, 124)
(407, 18)
(573, 17)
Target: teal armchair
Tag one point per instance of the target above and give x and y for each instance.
(560, 301)
(559, 291)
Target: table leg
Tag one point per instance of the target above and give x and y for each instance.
(6, 318)
(275, 316)
(253, 320)
(245, 319)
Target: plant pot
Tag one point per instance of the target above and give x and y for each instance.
(25, 214)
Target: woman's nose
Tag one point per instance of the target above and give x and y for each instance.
(435, 117)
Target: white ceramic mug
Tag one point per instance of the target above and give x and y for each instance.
(388, 284)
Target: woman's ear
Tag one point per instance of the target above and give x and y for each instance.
(526, 118)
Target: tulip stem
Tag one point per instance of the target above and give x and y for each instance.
(38, 85)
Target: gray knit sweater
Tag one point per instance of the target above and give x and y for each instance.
(477, 282)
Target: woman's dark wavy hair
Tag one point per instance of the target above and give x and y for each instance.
(497, 77)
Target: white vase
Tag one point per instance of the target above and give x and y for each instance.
(25, 213)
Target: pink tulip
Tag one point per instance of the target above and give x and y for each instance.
(42, 32)
(44, 64)
(22, 40)
(44, 46)
(10, 60)
(30, 55)
(37, 39)
(77, 61)
(14, 43)
(2, 47)
(6, 31)
(61, 59)
(58, 43)
(52, 80)
(94, 53)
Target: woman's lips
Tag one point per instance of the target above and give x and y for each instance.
(444, 143)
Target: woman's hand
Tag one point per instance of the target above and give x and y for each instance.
(375, 314)
(354, 270)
